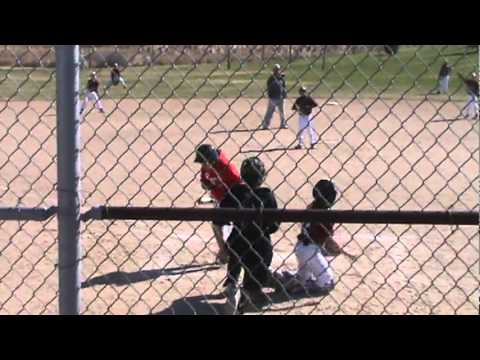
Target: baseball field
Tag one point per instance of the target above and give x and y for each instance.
(391, 147)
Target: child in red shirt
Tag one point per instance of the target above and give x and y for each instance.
(217, 175)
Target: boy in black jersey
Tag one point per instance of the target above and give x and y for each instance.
(249, 244)
(91, 94)
(470, 111)
(115, 78)
(304, 105)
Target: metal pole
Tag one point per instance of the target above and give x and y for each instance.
(68, 177)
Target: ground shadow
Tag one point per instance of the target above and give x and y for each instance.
(200, 305)
(120, 278)
(195, 305)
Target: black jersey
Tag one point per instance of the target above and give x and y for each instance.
(241, 196)
(115, 74)
(445, 70)
(304, 104)
(472, 86)
(92, 85)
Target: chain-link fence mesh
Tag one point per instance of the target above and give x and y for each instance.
(28, 252)
(386, 138)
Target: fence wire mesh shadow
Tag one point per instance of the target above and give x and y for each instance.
(395, 132)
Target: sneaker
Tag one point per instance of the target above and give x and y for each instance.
(314, 289)
(102, 111)
(284, 127)
(231, 300)
(312, 146)
(298, 147)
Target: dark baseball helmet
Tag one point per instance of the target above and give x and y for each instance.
(302, 90)
(253, 172)
(206, 153)
(324, 193)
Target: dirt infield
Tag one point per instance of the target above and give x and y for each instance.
(382, 155)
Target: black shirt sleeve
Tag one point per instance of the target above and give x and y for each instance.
(269, 202)
(294, 107)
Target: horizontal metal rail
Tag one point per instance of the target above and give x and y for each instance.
(280, 215)
(24, 214)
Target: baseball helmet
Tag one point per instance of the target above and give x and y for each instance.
(302, 90)
(276, 67)
(253, 172)
(93, 74)
(206, 153)
(324, 192)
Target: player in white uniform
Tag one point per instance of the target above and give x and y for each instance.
(91, 94)
(304, 105)
(115, 78)
(470, 111)
(315, 243)
(444, 78)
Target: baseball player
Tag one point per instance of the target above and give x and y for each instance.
(391, 49)
(471, 108)
(277, 92)
(444, 78)
(304, 105)
(249, 244)
(217, 175)
(115, 78)
(315, 242)
(91, 94)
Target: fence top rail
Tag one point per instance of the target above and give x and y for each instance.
(284, 215)
(24, 214)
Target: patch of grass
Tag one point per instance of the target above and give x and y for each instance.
(411, 73)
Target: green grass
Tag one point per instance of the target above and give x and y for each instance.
(412, 73)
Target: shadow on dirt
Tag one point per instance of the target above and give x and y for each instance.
(120, 278)
(202, 305)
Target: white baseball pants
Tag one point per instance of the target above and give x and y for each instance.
(471, 109)
(312, 266)
(305, 123)
(92, 96)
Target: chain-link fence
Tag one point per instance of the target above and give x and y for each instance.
(393, 134)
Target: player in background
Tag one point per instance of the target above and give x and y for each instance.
(304, 105)
(115, 78)
(315, 242)
(250, 246)
(217, 175)
(444, 78)
(470, 111)
(91, 94)
(277, 92)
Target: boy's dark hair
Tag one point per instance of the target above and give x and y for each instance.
(324, 194)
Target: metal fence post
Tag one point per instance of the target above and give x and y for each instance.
(68, 173)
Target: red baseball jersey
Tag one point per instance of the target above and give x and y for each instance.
(221, 177)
